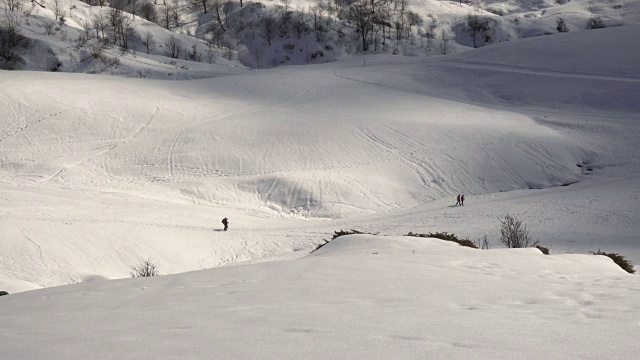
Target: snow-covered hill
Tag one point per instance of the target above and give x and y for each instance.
(358, 297)
(79, 45)
(96, 171)
(303, 32)
(508, 20)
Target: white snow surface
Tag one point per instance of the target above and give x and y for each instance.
(97, 172)
(360, 296)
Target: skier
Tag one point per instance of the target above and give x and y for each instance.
(462, 200)
(225, 222)
(458, 198)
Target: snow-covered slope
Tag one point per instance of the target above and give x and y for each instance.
(357, 297)
(70, 46)
(509, 20)
(97, 172)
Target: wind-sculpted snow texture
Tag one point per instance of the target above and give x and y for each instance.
(96, 172)
(358, 297)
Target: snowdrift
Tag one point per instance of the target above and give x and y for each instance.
(357, 297)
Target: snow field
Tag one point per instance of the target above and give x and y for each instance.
(120, 169)
(97, 172)
(358, 296)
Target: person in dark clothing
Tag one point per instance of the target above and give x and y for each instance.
(458, 198)
(225, 222)
(462, 200)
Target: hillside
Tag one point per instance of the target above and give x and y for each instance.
(176, 39)
(357, 297)
(79, 45)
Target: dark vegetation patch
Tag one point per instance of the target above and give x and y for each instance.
(447, 237)
(543, 249)
(337, 234)
(570, 183)
(623, 262)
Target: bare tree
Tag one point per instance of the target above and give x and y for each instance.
(13, 5)
(476, 25)
(430, 34)
(58, 7)
(149, 40)
(413, 19)
(148, 12)
(258, 58)
(268, 28)
(173, 47)
(382, 18)
(86, 26)
(221, 9)
(316, 13)
(286, 6)
(361, 16)
(217, 34)
(100, 23)
(169, 14)
(121, 27)
(134, 9)
(200, 4)
(515, 234)
(12, 42)
(445, 37)
(211, 55)
(238, 28)
(299, 25)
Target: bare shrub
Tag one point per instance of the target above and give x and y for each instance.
(146, 268)
(595, 22)
(173, 47)
(561, 26)
(96, 51)
(515, 234)
(49, 27)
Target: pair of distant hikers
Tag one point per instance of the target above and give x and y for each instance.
(460, 199)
